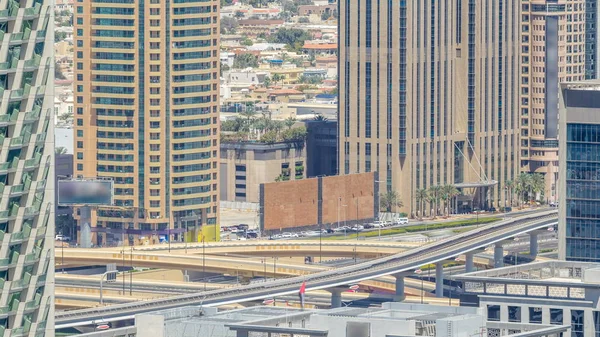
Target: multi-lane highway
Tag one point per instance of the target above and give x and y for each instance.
(405, 261)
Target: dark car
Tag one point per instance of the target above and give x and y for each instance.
(251, 235)
(368, 226)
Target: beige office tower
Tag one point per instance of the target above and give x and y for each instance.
(429, 96)
(146, 114)
(26, 168)
(553, 52)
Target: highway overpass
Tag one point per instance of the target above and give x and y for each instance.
(397, 264)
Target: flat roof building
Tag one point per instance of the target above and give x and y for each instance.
(552, 293)
(392, 320)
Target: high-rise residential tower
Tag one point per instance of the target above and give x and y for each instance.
(553, 50)
(429, 95)
(146, 112)
(26, 168)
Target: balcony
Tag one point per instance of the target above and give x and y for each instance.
(41, 138)
(41, 231)
(32, 116)
(9, 166)
(41, 185)
(40, 35)
(17, 190)
(9, 119)
(7, 15)
(32, 63)
(7, 67)
(33, 163)
(32, 12)
(41, 90)
(19, 142)
(20, 37)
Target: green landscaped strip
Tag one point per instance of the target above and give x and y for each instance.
(412, 229)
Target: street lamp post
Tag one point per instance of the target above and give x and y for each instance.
(320, 243)
(131, 271)
(275, 258)
(102, 281)
(204, 261)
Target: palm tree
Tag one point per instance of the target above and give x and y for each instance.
(509, 185)
(449, 191)
(289, 122)
(435, 191)
(390, 200)
(538, 185)
(421, 196)
(523, 185)
(277, 78)
(249, 115)
(60, 150)
(432, 202)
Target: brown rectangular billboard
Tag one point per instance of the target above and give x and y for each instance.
(322, 201)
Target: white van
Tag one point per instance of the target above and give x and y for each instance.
(401, 221)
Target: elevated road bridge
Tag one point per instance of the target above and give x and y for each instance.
(397, 264)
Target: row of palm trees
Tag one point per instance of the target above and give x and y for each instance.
(438, 197)
(527, 187)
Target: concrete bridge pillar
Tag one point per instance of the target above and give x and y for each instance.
(498, 255)
(439, 279)
(533, 244)
(469, 264)
(336, 297)
(399, 295)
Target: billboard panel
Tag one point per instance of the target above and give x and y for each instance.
(85, 192)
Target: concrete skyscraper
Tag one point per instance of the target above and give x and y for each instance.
(26, 168)
(553, 47)
(429, 95)
(146, 113)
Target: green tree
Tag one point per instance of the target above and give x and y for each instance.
(294, 38)
(247, 42)
(267, 82)
(303, 19)
(289, 122)
(509, 185)
(60, 150)
(269, 137)
(246, 60)
(538, 185)
(319, 117)
(421, 195)
(229, 25)
(389, 200)
(448, 193)
(277, 78)
(523, 186)
(435, 191)
(239, 14)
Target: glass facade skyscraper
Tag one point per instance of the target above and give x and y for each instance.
(26, 168)
(579, 224)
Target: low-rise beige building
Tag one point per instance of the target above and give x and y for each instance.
(246, 165)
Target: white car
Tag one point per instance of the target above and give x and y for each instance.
(61, 237)
(378, 224)
(401, 221)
